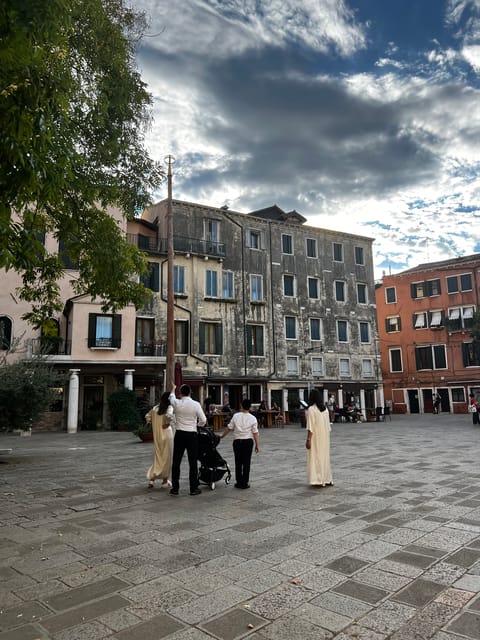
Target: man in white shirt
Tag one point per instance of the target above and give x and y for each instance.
(188, 413)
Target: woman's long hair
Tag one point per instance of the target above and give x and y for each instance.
(315, 398)
(164, 403)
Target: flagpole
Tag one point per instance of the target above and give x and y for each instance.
(170, 364)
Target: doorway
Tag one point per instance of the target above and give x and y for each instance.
(92, 407)
(413, 402)
(427, 400)
(445, 403)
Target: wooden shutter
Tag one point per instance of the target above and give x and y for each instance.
(117, 331)
(92, 329)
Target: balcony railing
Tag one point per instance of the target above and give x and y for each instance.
(51, 346)
(181, 244)
(152, 349)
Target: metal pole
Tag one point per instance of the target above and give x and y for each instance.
(170, 365)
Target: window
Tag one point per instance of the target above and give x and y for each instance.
(104, 331)
(287, 244)
(212, 228)
(227, 284)
(458, 394)
(144, 338)
(256, 288)
(395, 360)
(315, 329)
(417, 289)
(288, 285)
(436, 319)
(471, 354)
(344, 366)
(311, 248)
(150, 278)
(338, 252)
(255, 340)
(339, 291)
(317, 366)
(5, 333)
(290, 327)
(433, 287)
(390, 295)
(342, 331)
(420, 320)
(211, 287)
(393, 324)
(362, 293)
(65, 258)
(292, 366)
(462, 282)
(367, 368)
(211, 338)
(359, 255)
(364, 332)
(255, 239)
(178, 279)
(181, 336)
(431, 357)
(313, 288)
(460, 318)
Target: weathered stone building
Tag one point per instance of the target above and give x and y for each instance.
(264, 304)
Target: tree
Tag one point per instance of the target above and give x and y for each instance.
(73, 112)
(27, 389)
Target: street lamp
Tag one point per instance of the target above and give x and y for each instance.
(170, 365)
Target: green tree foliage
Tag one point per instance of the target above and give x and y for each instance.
(26, 391)
(73, 112)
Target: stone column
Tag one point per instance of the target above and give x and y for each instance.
(362, 404)
(340, 397)
(72, 417)
(128, 380)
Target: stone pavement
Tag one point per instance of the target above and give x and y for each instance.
(391, 551)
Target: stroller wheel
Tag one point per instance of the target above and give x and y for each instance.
(228, 478)
(212, 486)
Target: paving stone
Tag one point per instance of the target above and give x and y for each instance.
(382, 579)
(21, 614)
(80, 595)
(456, 598)
(347, 565)
(278, 601)
(158, 627)
(27, 632)
(87, 631)
(424, 551)
(469, 583)
(84, 613)
(418, 593)
(466, 624)
(413, 559)
(342, 605)
(294, 627)
(387, 617)
(361, 591)
(377, 529)
(464, 557)
(233, 624)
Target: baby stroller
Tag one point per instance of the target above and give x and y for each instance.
(212, 466)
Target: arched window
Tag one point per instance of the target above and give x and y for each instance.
(5, 333)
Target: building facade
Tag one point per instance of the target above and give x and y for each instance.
(265, 306)
(425, 316)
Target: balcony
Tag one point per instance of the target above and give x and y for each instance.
(181, 245)
(51, 346)
(151, 349)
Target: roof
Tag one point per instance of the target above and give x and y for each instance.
(443, 264)
(275, 213)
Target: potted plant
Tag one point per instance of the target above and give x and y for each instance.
(124, 413)
(145, 432)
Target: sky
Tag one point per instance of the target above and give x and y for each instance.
(362, 115)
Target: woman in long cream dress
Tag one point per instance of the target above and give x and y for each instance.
(161, 417)
(319, 472)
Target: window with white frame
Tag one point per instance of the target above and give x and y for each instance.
(362, 293)
(364, 330)
(436, 319)
(289, 289)
(420, 320)
(292, 365)
(393, 324)
(290, 327)
(431, 357)
(256, 288)
(340, 289)
(211, 283)
(227, 284)
(317, 366)
(367, 368)
(417, 290)
(210, 338)
(390, 295)
(458, 394)
(462, 282)
(255, 346)
(344, 366)
(395, 355)
(342, 331)
(212, 228)
(104, 331)
(313, 288)
(255, 239)
(287, 243)
(311, 248)
(460, 317)
(337, 252)
(315, 329)
(181, 336)
(178, 280)
(359, 255)
(471, 354)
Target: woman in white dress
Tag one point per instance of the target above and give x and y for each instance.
(161, 417)
(319, 472)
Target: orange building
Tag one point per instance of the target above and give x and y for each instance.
(425, 316)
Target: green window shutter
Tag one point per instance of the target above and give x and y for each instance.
(249, 340)
(201, 337)
(220, 339)
(92, 327)
(155, 278)
(117, 331)
(260, 350)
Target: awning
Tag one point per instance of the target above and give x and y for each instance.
(419, 321)
(468, 312)
(436, 320)
(454, 314)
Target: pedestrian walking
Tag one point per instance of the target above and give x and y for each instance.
(474, 408)
(319, 471)
(161, 418)
(245, 432)
(437, 403)
(188, 414)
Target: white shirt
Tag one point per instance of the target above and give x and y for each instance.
(187, 413)
(243, 425)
